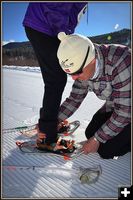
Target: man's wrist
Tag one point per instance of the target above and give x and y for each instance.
(95, 139)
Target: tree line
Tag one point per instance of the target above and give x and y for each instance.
(22, 54)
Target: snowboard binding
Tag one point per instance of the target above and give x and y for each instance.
(61, 146)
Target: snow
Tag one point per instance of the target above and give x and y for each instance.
(22, 175)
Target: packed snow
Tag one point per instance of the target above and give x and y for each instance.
(22, 175)
(23, 92)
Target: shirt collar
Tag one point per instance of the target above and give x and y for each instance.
(96, 70)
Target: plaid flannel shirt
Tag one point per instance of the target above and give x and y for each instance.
(113, 85)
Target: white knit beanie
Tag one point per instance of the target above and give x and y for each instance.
(74, 51)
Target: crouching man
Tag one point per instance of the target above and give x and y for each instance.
(105, 70)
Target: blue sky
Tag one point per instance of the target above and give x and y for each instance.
(103, 17)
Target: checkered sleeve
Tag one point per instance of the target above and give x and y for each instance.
(121, 94)
(72, 103)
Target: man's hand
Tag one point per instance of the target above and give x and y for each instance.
(91, 146)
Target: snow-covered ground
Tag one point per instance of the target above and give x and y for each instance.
(23, 175)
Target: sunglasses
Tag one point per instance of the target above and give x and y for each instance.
(80, 70)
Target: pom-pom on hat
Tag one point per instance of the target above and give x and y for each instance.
(75, 52)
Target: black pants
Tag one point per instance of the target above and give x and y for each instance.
(118, 146)
(54, 78)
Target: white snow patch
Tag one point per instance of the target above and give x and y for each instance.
(22, 98)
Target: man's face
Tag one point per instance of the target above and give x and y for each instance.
(86, 73)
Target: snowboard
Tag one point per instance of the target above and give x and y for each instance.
(29, 147)
(28, 130)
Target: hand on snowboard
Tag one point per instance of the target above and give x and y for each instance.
(91, 146)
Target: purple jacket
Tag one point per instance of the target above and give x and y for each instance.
(52, 18)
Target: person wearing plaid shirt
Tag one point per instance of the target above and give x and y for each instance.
(106, 71)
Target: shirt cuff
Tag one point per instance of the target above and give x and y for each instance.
(99, 138)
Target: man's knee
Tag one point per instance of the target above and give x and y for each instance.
(88, 133)
(107, 151)
(105, 155)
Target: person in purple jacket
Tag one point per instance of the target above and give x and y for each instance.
(43, 22)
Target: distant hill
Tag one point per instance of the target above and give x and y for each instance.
(22, 53)
(13, 45)
(119, 37)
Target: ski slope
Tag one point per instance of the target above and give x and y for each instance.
(23, 175)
